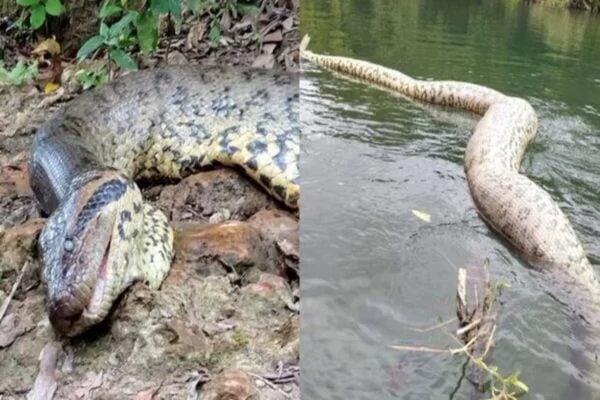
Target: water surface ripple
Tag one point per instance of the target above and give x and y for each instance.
(373, 273)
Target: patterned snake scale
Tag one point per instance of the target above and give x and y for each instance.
(513, 205)
(165, 123)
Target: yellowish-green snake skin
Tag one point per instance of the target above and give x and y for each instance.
(514, 206)
(165, 123)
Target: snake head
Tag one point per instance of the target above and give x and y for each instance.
(84, 249)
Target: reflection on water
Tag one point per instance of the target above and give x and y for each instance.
(373, 273)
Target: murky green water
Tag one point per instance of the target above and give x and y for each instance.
(373, 273)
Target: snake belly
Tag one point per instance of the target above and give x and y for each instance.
(514, 206)
(165, 123)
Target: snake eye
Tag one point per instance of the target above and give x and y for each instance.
(68, 245)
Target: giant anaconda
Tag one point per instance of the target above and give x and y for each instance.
(513, 205)
(101, 236)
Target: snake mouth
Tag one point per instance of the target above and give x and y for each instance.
(80, 307)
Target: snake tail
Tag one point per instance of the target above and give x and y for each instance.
(513, 205)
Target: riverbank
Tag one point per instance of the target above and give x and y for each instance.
(592, 6)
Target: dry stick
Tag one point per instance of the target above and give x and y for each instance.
(465, 348)
(420, 349)
(424, 349)
(167, 50)
(270, 384)
(13, 290)
(431, 328)
(488, 346)
(468, 327)
(95, 54)
(290, 374)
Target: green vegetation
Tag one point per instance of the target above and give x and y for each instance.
(92, 76)
(18, 75)
(240, 339)
(128, 27)
(38, 9)
(502, 387)
(122, 28)
(589, 5)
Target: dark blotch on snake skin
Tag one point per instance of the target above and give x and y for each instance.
(107, 193)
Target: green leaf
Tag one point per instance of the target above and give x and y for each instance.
(521, 386)
(214, 35)
(38, 16)
(175, 10)
(19, 74)
(112, 42)
(27, 3)
(118, 27)
(88, 47)
(103, 30)
(122, 59)
(92, 77)
(514, 380)
(109, 9)
(160, 6)
(196, 6)
(147, 31)
(54, 7)
(233, 10)
(250, 9)
(172, 7)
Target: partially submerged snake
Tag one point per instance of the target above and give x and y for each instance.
(101, 236)
(513, 205)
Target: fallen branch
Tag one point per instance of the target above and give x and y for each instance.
(424, 349)
(420, 349)
(476, 312)
(269, 384)
(434, 327)
(13, 290)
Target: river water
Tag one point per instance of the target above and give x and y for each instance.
(374, 274)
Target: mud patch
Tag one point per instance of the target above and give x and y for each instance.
(226, 312)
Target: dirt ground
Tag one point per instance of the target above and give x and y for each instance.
(225, 323)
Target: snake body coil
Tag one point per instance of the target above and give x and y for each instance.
(513, 205)
(167, 123)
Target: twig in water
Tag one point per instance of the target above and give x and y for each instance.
(420, 349)
(434, 327)
(467, 328)
(450, 351)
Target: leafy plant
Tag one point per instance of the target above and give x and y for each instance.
(503, 387)
(133, 28)
(92, 77)
(38, 9)
(172, 7)
(17, 76)
(114, 39)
